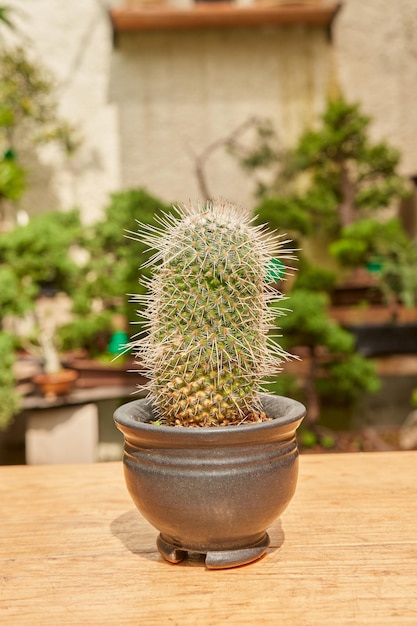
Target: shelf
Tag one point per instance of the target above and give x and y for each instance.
(81, 396)
(143, 17)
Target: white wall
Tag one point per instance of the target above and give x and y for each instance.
(376, 53)
(178, 91)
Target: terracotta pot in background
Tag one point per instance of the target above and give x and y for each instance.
(56, 384)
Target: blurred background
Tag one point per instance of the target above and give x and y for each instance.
(110, 112)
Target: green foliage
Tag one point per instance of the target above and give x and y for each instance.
(284, 385)
(370, 240)
(9, 399)
(27, 103)
(42, 257)
(366, 239)
(39, 252)
(12, 179)
(36, 255)
(28, 116)
(308, 438)
(331, 188)
(16, 296)
(32, 257)
(266, 151)
(310, 325)
(5, 17)
(287, 212)
(313, 278)
(91, 332)
(115, 258)
(398, 275)
(336, 370)
(342, 135)
(345, 165)
(111, 271)
(334, 176)
(341, 158)
(300, 214)
(207, 349)
(347, 378)
(25, 91)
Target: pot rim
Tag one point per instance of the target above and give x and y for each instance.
(291, 411)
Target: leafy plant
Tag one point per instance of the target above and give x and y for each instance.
(387, 247)
(16, 295)
(28, 116)
(35, 256)
(334, 177)
(40, 251)
(9, 398)
(398, 276)
(34, 259)
(332, 361)
(111, 269)
(327, 193)
(358, 175)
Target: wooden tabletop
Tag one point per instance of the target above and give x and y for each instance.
(73, 550)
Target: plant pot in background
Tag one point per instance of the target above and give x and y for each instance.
(94, 373)
(57, 384)
(212, 490)
(384, 339)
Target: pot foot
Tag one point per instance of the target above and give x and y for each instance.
(216, 559)
(169, 552)
(223, 559)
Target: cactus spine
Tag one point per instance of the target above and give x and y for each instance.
(206, 347)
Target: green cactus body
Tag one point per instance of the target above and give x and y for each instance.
(207, 347)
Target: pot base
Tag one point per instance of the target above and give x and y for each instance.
(215, 559)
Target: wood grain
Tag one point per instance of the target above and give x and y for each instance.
(73, 550)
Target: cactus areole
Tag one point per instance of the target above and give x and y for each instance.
(207, 344)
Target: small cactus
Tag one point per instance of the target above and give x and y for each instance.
(207, 347)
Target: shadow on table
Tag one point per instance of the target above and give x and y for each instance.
(128, 528)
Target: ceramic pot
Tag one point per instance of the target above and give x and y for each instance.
(384, 339)
(58, 384)
(215, 490)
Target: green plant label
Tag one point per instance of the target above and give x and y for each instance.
(274, 271)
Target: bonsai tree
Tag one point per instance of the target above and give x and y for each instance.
(334, 177)
(35, 261)
(207, 348)
(110, 273)
(385, 248)
(16, 299)
(328, 193)
(40, 252)
(335, 371)
(28, 117)
(353, 176)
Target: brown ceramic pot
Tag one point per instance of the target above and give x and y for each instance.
(215, 490)
(57, 384)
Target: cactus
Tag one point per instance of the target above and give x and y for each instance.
(207, 348)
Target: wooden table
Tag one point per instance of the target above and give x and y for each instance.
(73, 550)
